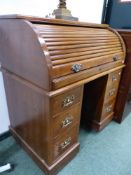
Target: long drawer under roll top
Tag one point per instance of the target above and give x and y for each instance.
(59, 52)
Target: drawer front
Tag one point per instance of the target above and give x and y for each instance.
(62, 69)
(66, 120)
(69, 79)
(111, 93)
(112, 85)
(107, 109)
(65, 142)
(114, 78)
(64, 101)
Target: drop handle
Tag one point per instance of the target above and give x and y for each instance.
(109, 108)
(114, 78)
(67, 122)
(76, 67)
(112, 92)
(65, 143)
(68, 101)
(116, 58)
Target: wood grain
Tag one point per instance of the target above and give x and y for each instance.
(125, 79)
(38, 59)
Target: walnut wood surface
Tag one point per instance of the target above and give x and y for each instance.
(48, 170)
(98, 104)
(129, 94)
(65, 47)
(125, 82)
(57, 102)
(86, 75)
(72, 114)
(21, 52)
(52, 21)
(29, 114)
(44, 92)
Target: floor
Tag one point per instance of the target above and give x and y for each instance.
(105, 153)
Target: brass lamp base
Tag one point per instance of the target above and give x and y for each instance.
(63, 13)
(71, 18)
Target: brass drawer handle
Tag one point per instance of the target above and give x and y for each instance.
(109, 108)
(67, 122)
(115, 58)
(76, 67)
(65, 143)
(114, 78)
(112, 92)
(68, 101)
(119, 73)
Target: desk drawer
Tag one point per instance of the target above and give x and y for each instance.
(64, 142)
(107, 109)
(64, 101)
(111, 93)
(66, 120)
(70, 79)
(112, 85)
(114, 78)
(62, 68)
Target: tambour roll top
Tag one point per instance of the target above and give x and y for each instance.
(67, 52)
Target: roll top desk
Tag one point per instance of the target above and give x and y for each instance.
(57, 73)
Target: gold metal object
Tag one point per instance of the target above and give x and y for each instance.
(119, 73)
(115, 57)
(68, 101)
(112, 92)
(65, 143)
(114, 78)
(63, 13)
(67, 121)
(109, 108)
(76, 67)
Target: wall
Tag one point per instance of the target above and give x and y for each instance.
(119, 14)
(4, 119)
(86, 10)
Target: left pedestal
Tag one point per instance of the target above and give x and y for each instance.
(46, 126)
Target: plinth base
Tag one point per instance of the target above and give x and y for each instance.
(47, 169)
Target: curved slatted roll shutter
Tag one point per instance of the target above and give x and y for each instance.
(86, 46)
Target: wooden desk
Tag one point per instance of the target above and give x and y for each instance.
(52, 69)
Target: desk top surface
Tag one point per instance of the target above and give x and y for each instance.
(52, 21)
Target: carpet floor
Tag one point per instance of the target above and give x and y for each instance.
(105, 153)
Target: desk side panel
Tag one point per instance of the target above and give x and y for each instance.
(125, 79)
(29, 114)
(21, 53)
